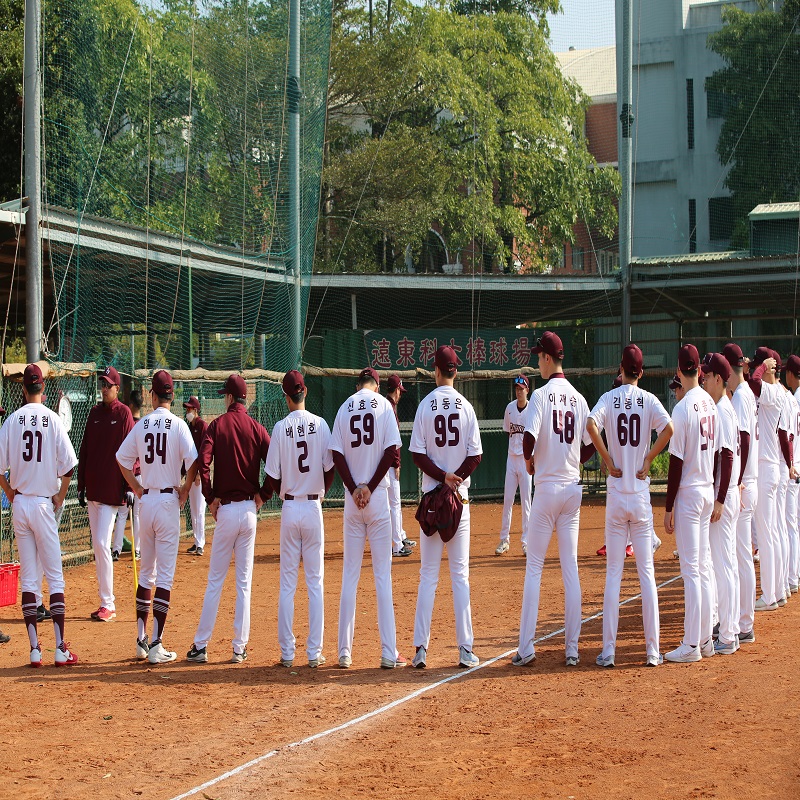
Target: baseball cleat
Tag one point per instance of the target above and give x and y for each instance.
(781, 602)
(794, 588)
(656, 543)
(199, 551)
(503, 547)
(4, 638)
(763, 605)
(605, 661)
(467, 659)
(316, 662)
(521, 661)
(402, 552)
(675, 554)
(137, 555)
(286, 662)
(158, 654)
(715, 632)
(115, 555)
(393, 663)
(654, 661)
(629, 551)
(197, 655)
(747, 638)
(525, 549)
(238, 658)
(104, 614)
(142, 648)
(723, 648)
(192, 550)
(43, 613)
(684, 654)
(36, 656)
(409, 543)
(63, 656)
(420, 658)
(345, 662)
(601, 551)
(572, 661)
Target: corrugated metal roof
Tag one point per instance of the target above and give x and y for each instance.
(694, 258)
(775, 211)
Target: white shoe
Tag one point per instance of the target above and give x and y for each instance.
(656, 543)
(604, 661)
(572, 661)
(683, 654)
(525, 549)
(654, 661)
(345, 662)
(763, 605)
(467, 659)
(420, 659)
(503, 547)
(36, 656)
(316, 662)
(521, 661)
(159, 655)
(781, 601)
(707, 648)
(142, 648)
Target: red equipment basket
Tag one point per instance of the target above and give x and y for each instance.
(9, 579)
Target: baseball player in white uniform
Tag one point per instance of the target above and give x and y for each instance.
(300, 466)
(554, 434)
(690, 503)
(785, 425)
(162, 443)
(628, 414)
(722, 531)
(793, 382)
(35, 447)
(516, 470)
(446, 446)
(773, 446)
(364, 442)
(744, 404)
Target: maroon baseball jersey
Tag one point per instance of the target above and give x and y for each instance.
(197, 427)
(98, 472)
(397, 457)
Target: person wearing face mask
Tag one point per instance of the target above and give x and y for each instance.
(197, 504)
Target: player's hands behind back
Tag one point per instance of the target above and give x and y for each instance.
(645, 470)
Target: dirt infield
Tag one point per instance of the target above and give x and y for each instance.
(115, 728)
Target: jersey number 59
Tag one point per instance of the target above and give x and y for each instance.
(363, 429)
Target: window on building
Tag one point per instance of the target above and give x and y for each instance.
(577, 259)
(718, 104)
(692, 226)
(690, 113)
(720, 218)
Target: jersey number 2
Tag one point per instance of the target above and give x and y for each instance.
(302, 457)
(27, 438)
(156, 444)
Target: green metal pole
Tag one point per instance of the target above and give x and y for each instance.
(295, 255)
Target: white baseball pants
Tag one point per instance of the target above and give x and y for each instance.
(555, 506)
(693, 507)
(101, 524)
(629, 518)
(516, 476)
(783, 533)
(119, 528)
(767, 531)
(197, 508)
(235, 534)
(160, 530)
(722, 535)
(302, 537)
(396, 512)
(431, 549)
(37, 544)
(744, 557)
(372, 524)
(792, 497)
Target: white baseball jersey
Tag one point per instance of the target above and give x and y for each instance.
(163, 443)
(769, 405)
(728, 435)
(364, 427)
(34, 444)
(514, 426)
(744, 404)
(557, 419)
(628, 414)
(299, 454)
(446, 429)
(695, 439)
(786, 422)
(797, 430)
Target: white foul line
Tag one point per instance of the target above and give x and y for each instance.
(389, 706)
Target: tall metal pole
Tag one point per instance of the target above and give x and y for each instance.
(293, 91)
(626, 165)
(33, 180)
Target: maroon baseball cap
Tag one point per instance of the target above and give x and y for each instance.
(235, 386)
(762, 354)
(367, 373)
(110, 375)
(162, 383)
(293, 383)
(617, 382)
(522, 380)
(32, 375)
(446, 359)
(192, 402)
(395, 382)
(688, 358)
(734, 354)
(793, 365)
(2, 412)
(777, 356)
(632, 359)
(716, 363)
(675, 383)
(551, 344)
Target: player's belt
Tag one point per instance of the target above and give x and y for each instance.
(168, 490)
(230, 500)
(301, 497)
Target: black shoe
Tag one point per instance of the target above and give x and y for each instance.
(4, 637)
(115, 555)
(137, 555)
(198, 551)
(402, 552)
(192, 550)
(715, 634)
(409, 543)
(197, 655)
(42, 614)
